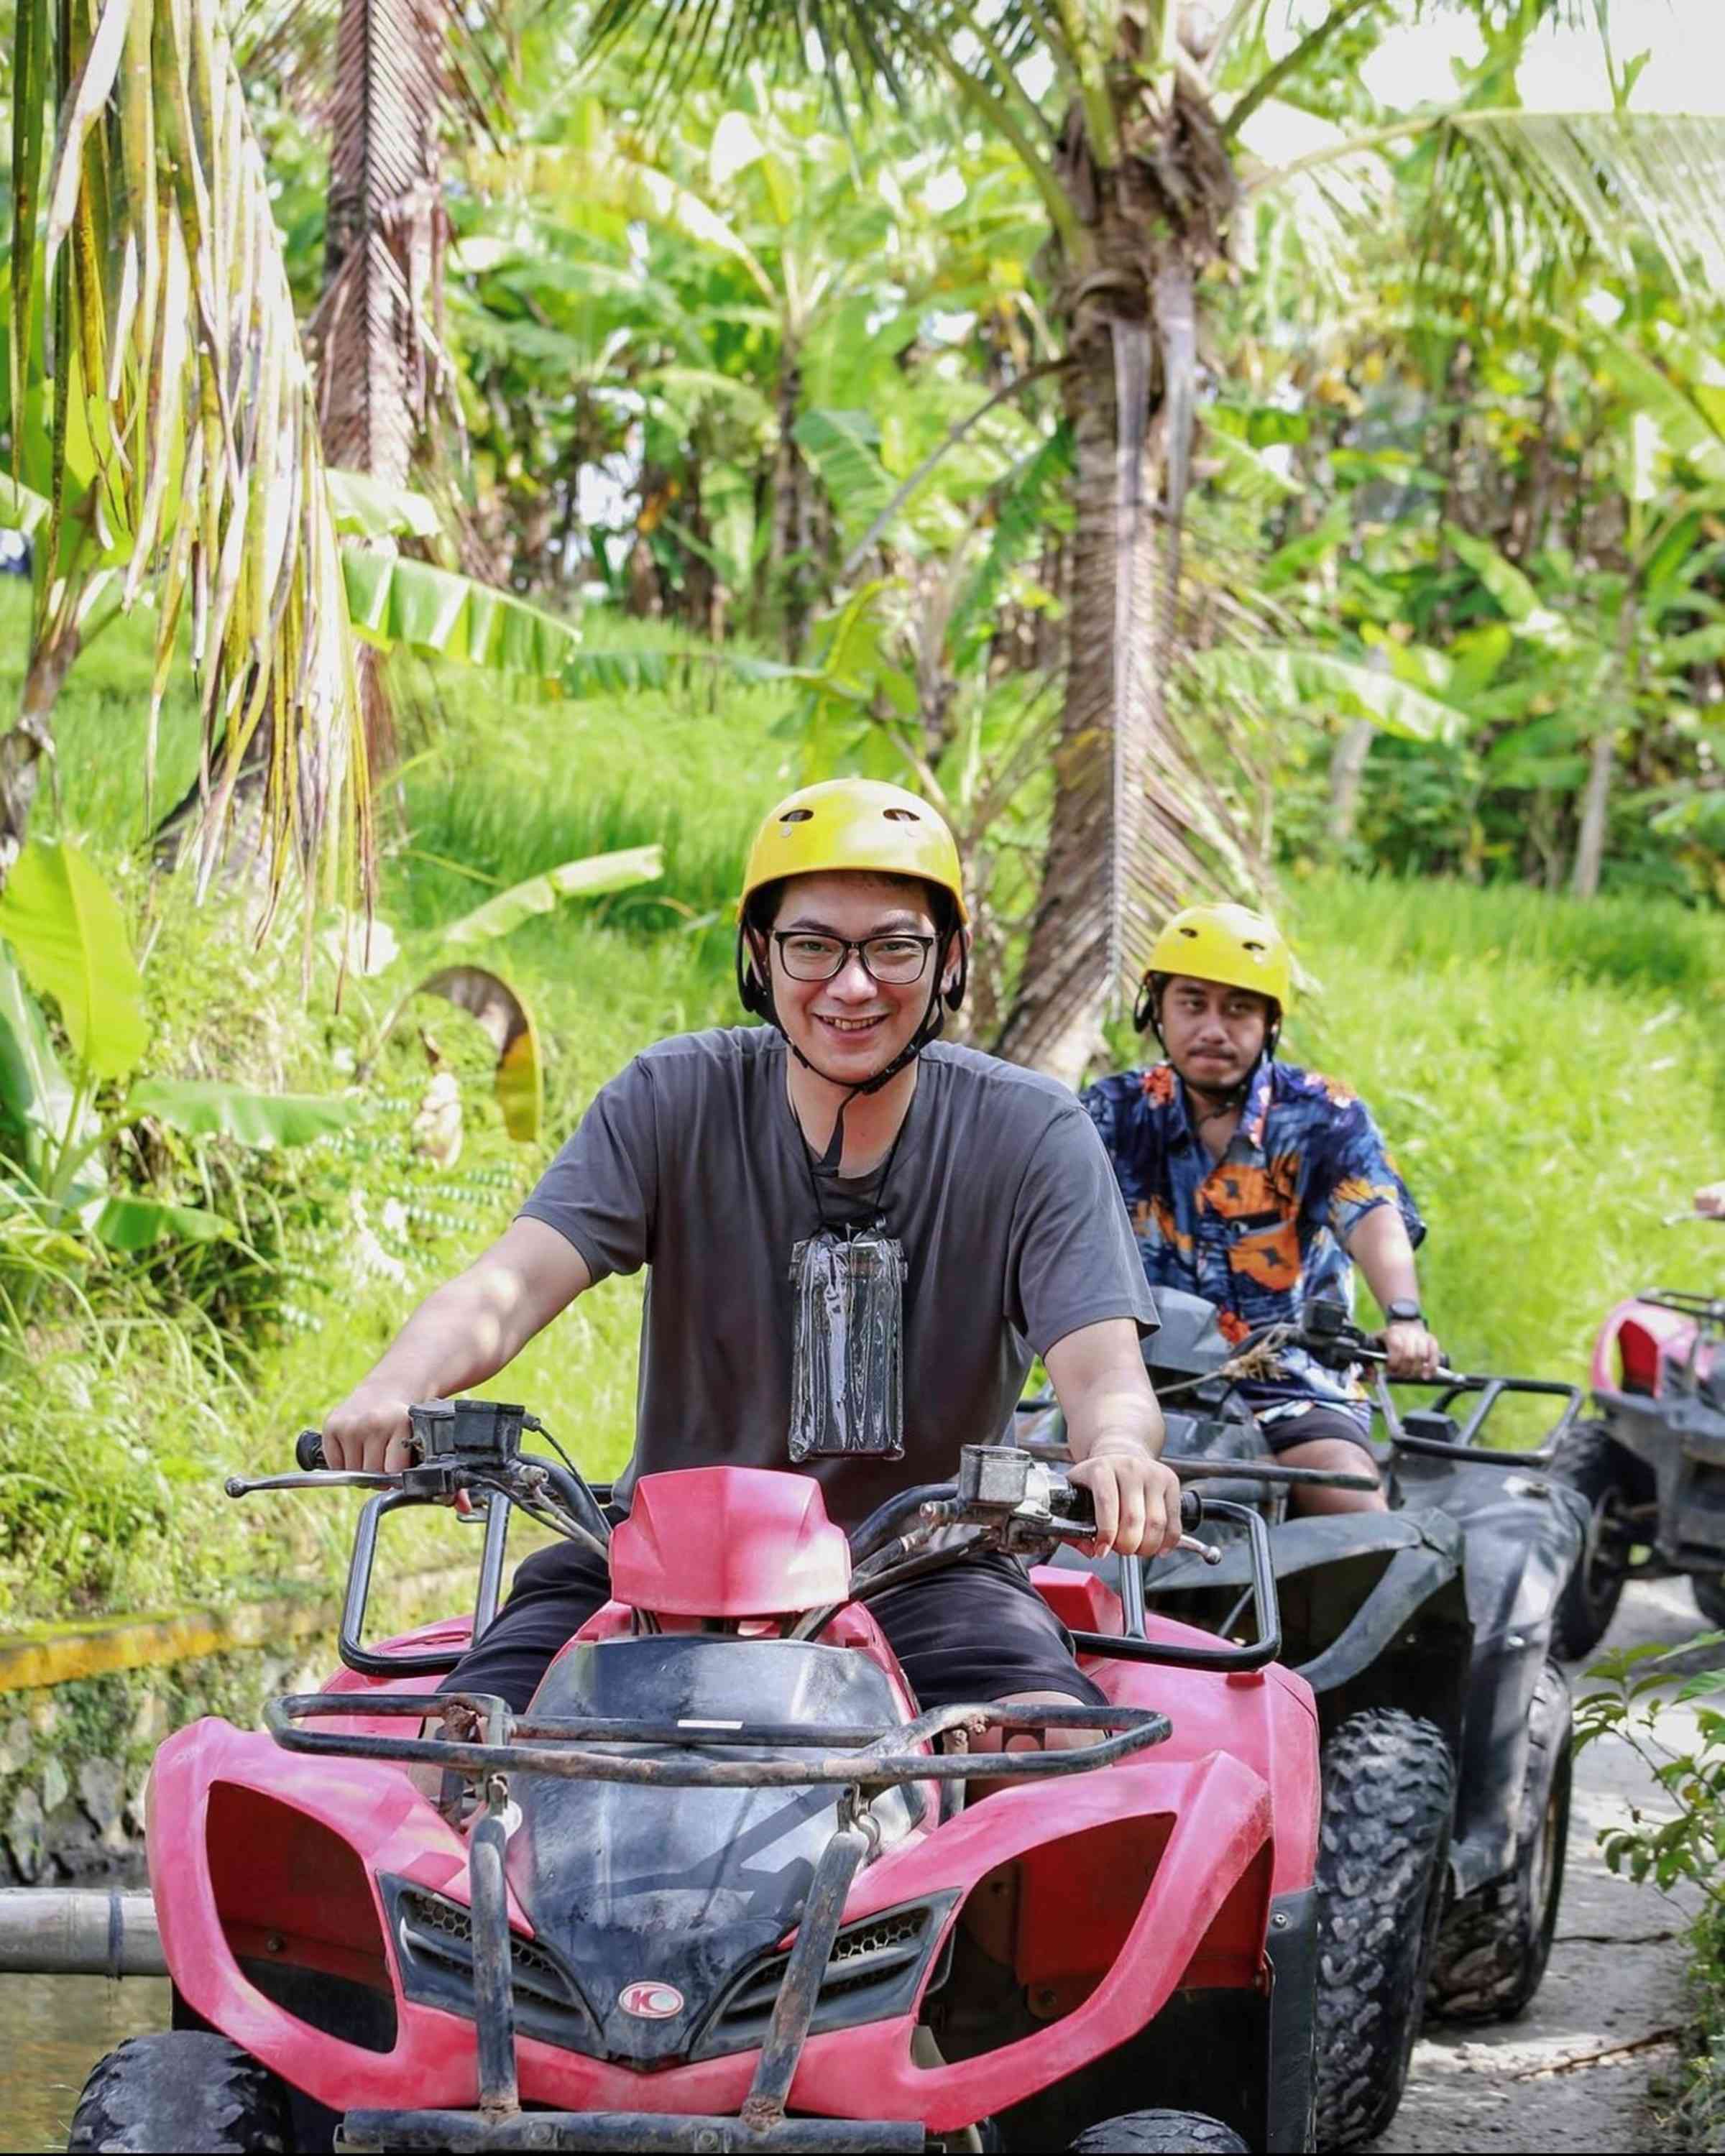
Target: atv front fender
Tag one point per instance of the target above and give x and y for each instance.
(1523, 1533)
(1424, 1565)
(1207, 1906)
(1373, 1602)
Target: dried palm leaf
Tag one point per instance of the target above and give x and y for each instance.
(183, 446)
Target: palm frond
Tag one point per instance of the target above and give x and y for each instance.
(183, 443)
(1519, 197)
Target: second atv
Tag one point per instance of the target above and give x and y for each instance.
(1426, 1633)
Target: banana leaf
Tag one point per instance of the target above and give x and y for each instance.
(392, 601)
(206, 1108)
(139, 1223)
(367, 508)
(543, 894)
(69, 936)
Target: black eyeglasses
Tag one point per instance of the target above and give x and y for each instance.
(896, 959)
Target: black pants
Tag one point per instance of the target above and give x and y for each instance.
(975, 1631)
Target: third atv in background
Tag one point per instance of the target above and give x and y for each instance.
(1651, 1464)
(1426, 1633)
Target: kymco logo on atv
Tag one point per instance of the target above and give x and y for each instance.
(650, 2002)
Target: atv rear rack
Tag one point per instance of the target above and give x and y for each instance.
(858, 1758)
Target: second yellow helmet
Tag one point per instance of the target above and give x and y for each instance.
(1226, 943)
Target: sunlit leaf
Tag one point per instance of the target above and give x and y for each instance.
(543, 894)
(71, 939)
(395, 601)
(368, 508)
(1317, 682)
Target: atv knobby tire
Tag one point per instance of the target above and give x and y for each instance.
(1383, 1835)
(1708, 1589)
(1596, 1466)
(1160, 2133)
(1492, 1950)
(181, 2089)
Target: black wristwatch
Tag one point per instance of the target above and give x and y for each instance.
(1401, 1311)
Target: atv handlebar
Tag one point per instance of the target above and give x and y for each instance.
(1331, 1337)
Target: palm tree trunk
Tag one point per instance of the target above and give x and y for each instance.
(1348, 769)
(1054, 1022)
(382, 265)
(792, 533)
(1596, 800)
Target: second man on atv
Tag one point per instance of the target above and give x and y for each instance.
(856, 1237)
(1258, 1185)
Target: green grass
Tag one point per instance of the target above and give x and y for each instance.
(1551, 1077)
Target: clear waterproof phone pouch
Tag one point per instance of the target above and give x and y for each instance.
(847, 1346)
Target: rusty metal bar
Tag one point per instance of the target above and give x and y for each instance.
(871, 1766)
(493, 1981)
(630, 2133)
(799, 1987)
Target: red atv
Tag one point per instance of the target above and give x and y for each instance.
(1651, 1463)
(722, 1886)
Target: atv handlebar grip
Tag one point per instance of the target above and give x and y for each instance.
(1191, 1510)
(308, 1452)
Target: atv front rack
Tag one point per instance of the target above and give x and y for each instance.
(862, 1762)
(870, 1759)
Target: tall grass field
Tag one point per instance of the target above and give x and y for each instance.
(1551, 1078)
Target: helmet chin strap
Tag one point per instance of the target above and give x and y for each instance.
(756, 994)
(928, 1028)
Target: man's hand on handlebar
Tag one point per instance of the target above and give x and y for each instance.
(1137, 1499)
(1410, 1351)
(368, 1431)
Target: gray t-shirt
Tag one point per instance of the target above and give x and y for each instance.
(691, 1161)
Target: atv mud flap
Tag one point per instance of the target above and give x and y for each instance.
(626, 2130)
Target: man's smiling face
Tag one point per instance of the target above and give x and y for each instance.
(851, 1026)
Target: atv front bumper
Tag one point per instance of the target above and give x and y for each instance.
(627, 2130)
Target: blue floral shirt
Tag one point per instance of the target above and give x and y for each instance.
(1261, 1231)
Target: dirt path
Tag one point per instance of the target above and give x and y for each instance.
(1615, 1980)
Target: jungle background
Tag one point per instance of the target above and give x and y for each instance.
(464, 464)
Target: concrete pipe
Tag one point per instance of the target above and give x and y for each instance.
(63, 1932)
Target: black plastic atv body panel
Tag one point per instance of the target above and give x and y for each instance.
(1373, 1609)
(689, 1890)
(1523, 1533)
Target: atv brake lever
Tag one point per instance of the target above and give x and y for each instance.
(328, 1478)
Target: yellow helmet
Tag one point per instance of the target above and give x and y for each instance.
(853, 824)
(1226, 943)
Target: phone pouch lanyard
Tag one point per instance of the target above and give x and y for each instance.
(847, 1347)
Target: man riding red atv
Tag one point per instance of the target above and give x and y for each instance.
(719, 1888)
(711, 1824)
